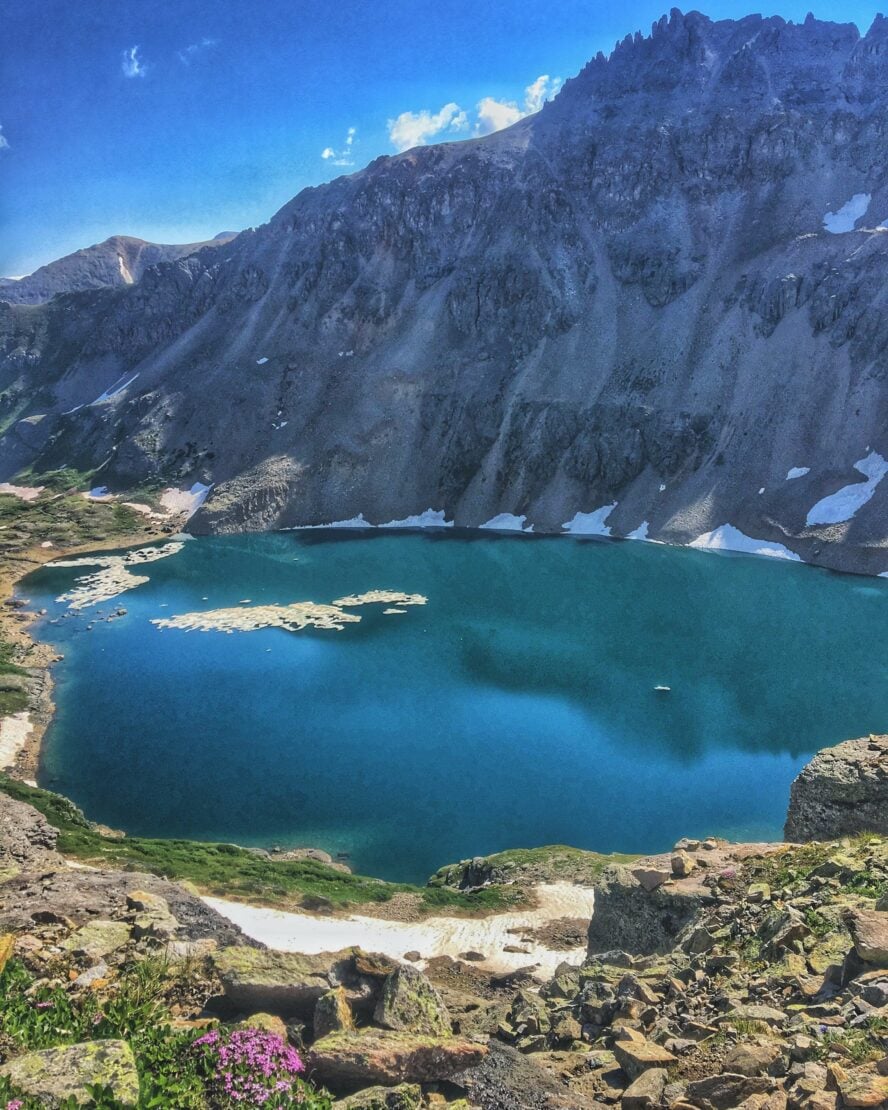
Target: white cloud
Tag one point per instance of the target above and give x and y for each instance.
(416, 128)
(342, 157)
(131, 64)
(494, 115)
(188, 53)
(4, 142)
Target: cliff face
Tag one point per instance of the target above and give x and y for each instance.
(630, 297)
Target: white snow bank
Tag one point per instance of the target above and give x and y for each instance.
(431, 518)
(797, 472)
(848, 215)
(355, 522)
(507, 522)
(434, 936)
(729, 538)
(23, 493)
(115, 390)
(185, 501)
(844, 503)
(14, 731)
(640, 533)
(590, 524)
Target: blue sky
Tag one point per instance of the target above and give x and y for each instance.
(176, 119)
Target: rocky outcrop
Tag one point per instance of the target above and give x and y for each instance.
(841, 792)
(609, 302)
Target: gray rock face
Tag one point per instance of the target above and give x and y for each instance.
(120, 260)
(630, 918)
(628, 297)
(842, 791)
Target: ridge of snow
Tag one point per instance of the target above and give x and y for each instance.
(728, 538)
(590, 524)
(844, 503)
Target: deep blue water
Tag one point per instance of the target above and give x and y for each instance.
(515, 709)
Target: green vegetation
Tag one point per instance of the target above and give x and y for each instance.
(174, 1069)
(550, 863)
(12, 699)
(795, 865)
(62, 517)
(226, 870)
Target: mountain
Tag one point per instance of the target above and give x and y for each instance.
(120, 260)
(664, 292)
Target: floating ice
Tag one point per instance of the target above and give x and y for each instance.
(114, 576)
(844, 503)
(797, 472)
(590, 524)
(261, 361)
(729, 538)
(848, 215)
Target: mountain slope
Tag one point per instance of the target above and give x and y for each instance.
(629, 297)
(120, 260)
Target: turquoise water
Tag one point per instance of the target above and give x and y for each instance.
(516, 708)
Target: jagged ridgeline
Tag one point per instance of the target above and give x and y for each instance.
(664, 290)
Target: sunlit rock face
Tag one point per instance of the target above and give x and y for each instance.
(661, 292)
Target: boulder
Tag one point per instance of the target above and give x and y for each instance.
(507, 1080)
(406, 1096)
(722, 1092)
(869, 929)
(98, 939)
(863, 1087)
(357, 1059)
(646, 1091)
(268, 1023)
(637, 1056)
(753, 1058)
(55, 1074)
(282, 983)
(408, 1002)
(842, 791)
(332, 1013)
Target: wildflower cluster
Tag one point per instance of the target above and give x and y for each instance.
(251, 1067)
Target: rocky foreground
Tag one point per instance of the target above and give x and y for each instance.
(717, 976)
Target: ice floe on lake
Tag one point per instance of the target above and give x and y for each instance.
(114, 576)
(292, 618)
(728, 538)
(797, 472)
(847, 216)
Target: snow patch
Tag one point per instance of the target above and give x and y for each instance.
(355, 522)
(797, 472)
(434, 936)
(23, 493)
(119, 387)
(640, 533)
(431, 518)
(590, 524)
(844, 503)
(14, 731)
(507, 522)
(847, 216)
(261, 361)
(729, 538)
(185, 501)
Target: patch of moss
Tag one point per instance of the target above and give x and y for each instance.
(550, 863)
